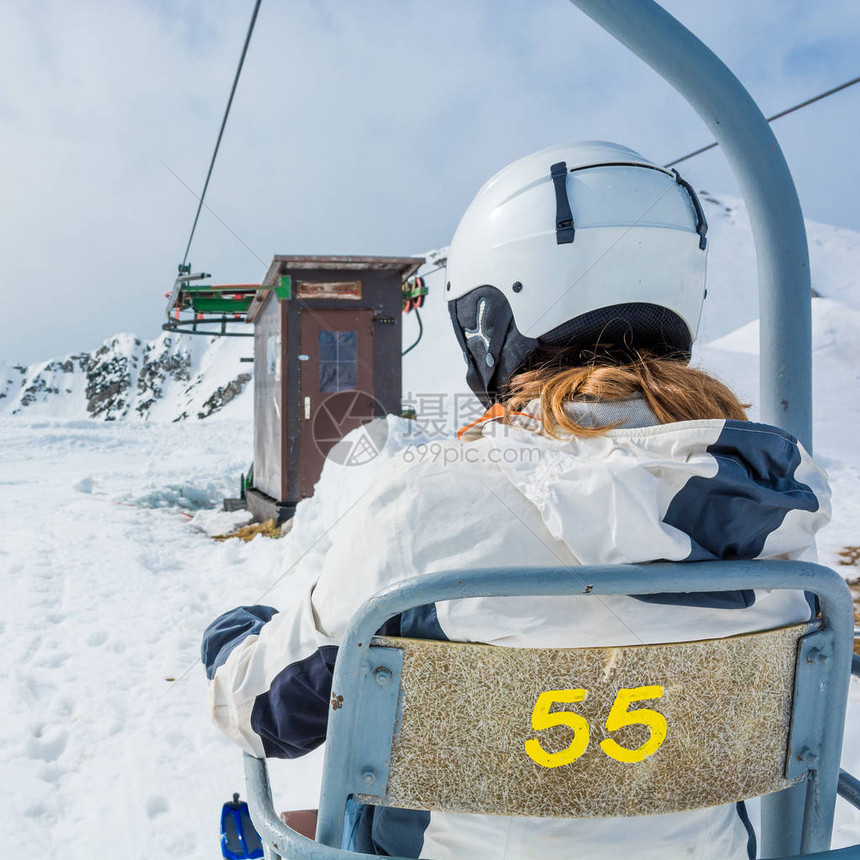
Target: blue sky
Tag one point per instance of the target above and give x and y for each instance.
(359, 128)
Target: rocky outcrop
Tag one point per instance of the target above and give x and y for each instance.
(109, 381)
(159, 364)
(171, 378)
(224, 395)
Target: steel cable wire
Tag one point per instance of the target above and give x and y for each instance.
(782, 113)
(223, 124)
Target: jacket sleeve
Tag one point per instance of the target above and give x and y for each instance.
(270, 679)
(229, 630)
(271, 672)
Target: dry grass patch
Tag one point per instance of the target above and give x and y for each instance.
(247, 533)
(850, 556)
(854, 585)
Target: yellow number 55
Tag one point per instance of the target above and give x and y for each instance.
(619, 716)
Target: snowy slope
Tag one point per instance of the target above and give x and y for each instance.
(109, 578)
(174, 377)
(107, 584)
(109, 574)
(170, 378)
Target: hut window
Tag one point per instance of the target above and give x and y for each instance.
(338, 360)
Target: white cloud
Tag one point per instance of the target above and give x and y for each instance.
(362, 128)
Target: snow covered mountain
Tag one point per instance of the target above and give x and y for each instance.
(170, 378)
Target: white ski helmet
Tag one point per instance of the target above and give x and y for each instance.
(581, 244)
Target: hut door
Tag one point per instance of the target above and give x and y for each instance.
(336, 391)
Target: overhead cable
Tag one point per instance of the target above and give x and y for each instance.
(223, 124)
(817, 98)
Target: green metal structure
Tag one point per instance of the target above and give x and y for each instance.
(200, 308)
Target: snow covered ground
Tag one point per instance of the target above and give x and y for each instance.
(108, 582)
(109, 576)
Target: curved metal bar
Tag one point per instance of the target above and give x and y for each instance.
(849, 788)
(286, 842)
(354, 658)
(763, 175)
(603, 579)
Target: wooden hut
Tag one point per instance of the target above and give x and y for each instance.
(327, 344)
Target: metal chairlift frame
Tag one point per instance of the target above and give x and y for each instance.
(779, 234)
(359, 737)
(211, 310)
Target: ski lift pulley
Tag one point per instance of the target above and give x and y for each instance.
(414, 291)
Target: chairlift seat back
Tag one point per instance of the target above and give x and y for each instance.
(460, 733)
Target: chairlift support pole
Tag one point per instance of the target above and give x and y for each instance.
(765, 181)
(785, 333)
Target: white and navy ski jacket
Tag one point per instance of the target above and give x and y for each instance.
(693, 490)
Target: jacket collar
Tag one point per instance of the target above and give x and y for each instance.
(629, 413)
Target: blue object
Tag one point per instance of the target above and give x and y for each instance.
(239, 839)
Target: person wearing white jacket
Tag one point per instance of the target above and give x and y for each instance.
(575, 282)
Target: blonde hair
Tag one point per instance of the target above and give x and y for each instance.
(674, 391)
